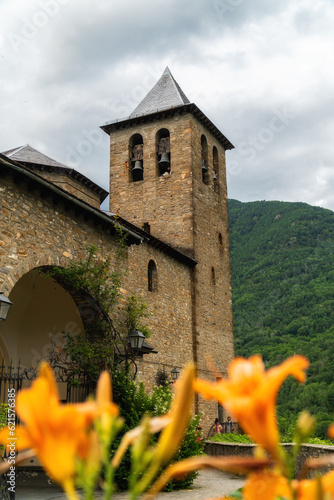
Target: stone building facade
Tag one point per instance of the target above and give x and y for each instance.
(168, 189)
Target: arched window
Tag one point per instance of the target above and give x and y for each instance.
(213, 276)
(136, 146)
(152, 276)
(215, 169)
(204, 165)
(163, 152)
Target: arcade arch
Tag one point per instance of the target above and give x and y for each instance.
(41, 310)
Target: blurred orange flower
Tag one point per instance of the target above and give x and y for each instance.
(102, 408)
(266, 485)
(57, 433)
(331, 431)
(269, 485)
(172, 435)
(250, 395)
(321, 488)
(239, 465)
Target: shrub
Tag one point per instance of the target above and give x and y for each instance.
(191, 446)
(3, 415)
(231, 438)
(3, 419)
(134, 403)
(322, 442)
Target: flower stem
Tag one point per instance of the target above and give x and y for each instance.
(69, 489)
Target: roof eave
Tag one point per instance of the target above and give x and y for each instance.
(159, 114)
(71, 172)
(157, 243)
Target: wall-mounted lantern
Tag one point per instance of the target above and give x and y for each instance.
(136, 340)
(175, 373)
(5, 305)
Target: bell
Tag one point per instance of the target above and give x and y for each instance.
(137, 165)
(164, 160)
(204, 169)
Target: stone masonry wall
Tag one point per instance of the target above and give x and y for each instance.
(35, 232)
(247, 450)
(164, 202)
(171, 322)
(73, 187)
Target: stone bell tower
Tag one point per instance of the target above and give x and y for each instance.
(168, 176)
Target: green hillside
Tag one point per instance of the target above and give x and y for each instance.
(282, 259)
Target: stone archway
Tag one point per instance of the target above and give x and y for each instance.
(30, 263)
(41, 310)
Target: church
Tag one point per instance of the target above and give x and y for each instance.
(168, 193)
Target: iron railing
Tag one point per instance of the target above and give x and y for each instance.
(12, 377)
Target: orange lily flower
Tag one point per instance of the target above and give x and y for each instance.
(102, 408)
(172, 435)
(240, 465)
(269, 485)
(172, 427)
(250, 395)
(322, 487)
(266, 485)
(330, 431)
(57, 433)
(311, 488)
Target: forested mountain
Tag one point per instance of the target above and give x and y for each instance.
(282, 259)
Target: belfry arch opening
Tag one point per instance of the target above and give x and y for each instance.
(163, 152)
(215, 161)
(204, 155)
(136, 158)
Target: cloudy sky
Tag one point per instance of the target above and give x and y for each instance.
(261, 70)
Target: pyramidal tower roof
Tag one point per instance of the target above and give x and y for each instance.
(165, 94)
(165, 99)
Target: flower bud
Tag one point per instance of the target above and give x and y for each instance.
(305, 424)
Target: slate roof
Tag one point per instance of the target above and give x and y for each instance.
(36, 160)
(165, 94)
(30, 155)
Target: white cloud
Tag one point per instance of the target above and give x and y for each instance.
(69, 66)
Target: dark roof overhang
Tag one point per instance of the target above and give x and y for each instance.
(165, 113)
(70, 172)
(158, 244)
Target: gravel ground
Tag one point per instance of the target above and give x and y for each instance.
(209, 484)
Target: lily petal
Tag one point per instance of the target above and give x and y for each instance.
(240, 465)
(250, 395)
